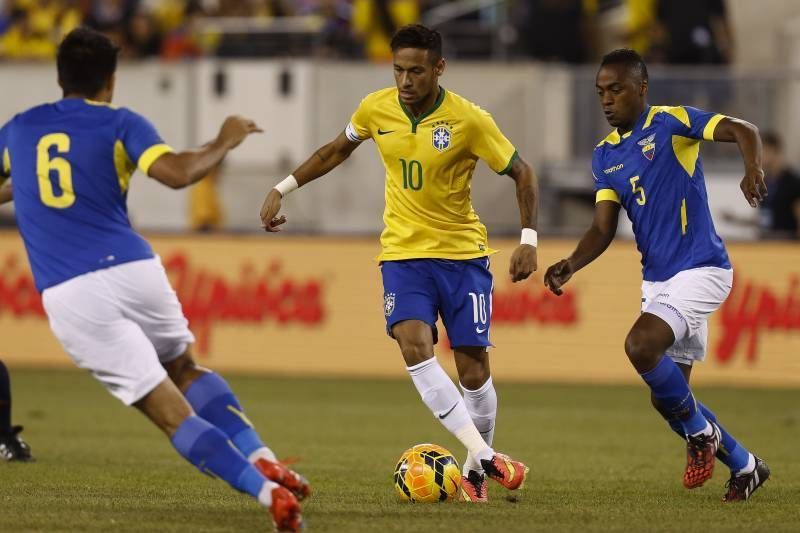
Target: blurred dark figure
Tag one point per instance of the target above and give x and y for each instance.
(557, 30)
(779, 214)
(336, 38)
(111, 17)
(692, 32)
(142, 36)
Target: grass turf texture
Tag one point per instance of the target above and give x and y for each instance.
(601, 460)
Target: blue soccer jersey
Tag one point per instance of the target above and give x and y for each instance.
(656, 173)
(71, 163)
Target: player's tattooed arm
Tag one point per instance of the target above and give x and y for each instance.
(322, 161)
(325, 159)
(524, 260)
(594, 242)
(746, 136)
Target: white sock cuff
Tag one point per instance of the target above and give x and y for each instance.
(261, 453)
(420, 367)
(480, 390)
(474, 443)
(265, 494)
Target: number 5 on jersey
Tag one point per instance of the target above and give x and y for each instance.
(45, 164)
(638, 189)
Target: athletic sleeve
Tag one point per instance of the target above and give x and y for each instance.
(487, 142)
(603, 189)
(141, 140)
(5, 158)
(358, 128)
(692, 122)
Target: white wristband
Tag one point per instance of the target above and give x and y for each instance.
(287, 185)
(529, 236)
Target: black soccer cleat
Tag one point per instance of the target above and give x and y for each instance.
(13, 448)
(740, 488)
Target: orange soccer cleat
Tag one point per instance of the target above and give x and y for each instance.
(283, 475)
(285, 510)
(506, 471)
(701, 453)
(473, 488)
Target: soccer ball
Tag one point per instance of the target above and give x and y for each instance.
(427, 473)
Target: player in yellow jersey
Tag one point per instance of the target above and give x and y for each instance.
(434, 258)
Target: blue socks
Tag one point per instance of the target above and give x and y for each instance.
(670, 389)
(208, 449)
(213, 400)
(730, 453)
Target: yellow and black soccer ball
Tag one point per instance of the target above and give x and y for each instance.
(427, 473)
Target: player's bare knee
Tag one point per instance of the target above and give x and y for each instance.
(640, 350)
(474, 378)
(183, 370)
(415, 351)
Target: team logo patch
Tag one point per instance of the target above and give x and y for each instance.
(648, 146)
(441, 138)
(388, 303)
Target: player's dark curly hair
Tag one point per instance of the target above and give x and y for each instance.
(630, 58)
(86, 60)
(418, 36)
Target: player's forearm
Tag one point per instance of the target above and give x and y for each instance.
(594, 242)
(199, 163)
(527, 193)
(746, 137)
(320, 163)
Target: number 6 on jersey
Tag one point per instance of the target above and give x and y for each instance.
(44, 164)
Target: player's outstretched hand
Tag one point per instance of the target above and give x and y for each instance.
(523, 262)
(558, 275)
(753, 187)
(269, 211)
(235, 129)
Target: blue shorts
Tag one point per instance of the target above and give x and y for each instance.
(458, 290)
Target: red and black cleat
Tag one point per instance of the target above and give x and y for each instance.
(701, 453)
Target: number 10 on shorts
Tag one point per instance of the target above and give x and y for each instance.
(478, 308)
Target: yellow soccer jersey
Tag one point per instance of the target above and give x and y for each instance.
(429, 162)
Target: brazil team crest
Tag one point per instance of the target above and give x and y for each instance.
(388, 303)
(648, 146)
(441, 137)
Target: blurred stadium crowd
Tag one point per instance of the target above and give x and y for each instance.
(572, 31)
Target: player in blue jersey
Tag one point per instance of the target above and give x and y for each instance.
(650, 165)
(106, 294)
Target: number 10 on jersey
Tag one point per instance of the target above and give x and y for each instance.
(412, 174)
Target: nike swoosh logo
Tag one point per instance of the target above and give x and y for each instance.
(380, 132)
(479, 330)
(443, 416)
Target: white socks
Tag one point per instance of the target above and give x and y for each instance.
(265, 496)
(441, 396)
(262, 453)
(482, 408)
(749, 467)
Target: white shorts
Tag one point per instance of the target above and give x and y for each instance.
(685, 301)
(120, 323)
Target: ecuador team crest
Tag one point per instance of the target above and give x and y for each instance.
(648, 146)
(441, 137)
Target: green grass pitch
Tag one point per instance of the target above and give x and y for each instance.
(601, 460)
